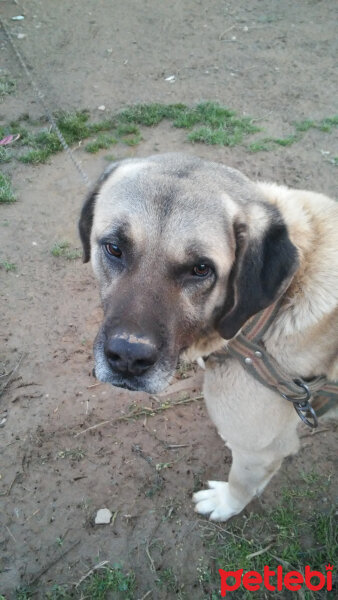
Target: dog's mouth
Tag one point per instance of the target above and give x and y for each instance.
(156, 380)
(126, 385)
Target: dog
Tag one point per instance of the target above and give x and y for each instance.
(186, 252)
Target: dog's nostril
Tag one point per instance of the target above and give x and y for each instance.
(133, 358)
(113, 356)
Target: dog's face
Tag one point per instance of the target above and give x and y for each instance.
(185, 252)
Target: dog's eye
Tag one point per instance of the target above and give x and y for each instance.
(201, 270)
(113, 250)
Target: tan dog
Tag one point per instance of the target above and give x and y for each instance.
(186, 251)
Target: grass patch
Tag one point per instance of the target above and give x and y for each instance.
(305, 125)
(73, 454)
(288, 141)
(151, 114)
(291, 534)
(8, 266)
(103, 583)
(207, 122)
(167, 580)
(266, 144)
(260, 146)
(5, 155)
(219, 124)
(103, 141)
(64, 250)
(7, 86)
(6, 193)
(326, 125)
(36, 157)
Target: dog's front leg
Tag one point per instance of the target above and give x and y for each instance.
(249, 474)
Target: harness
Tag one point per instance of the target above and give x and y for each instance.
(248, 348)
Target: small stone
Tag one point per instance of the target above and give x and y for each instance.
(103, 516)
(101, 107)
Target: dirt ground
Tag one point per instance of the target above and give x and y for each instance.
(269, 59)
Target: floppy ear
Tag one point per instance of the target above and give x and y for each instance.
(262, 271)
(87, 212)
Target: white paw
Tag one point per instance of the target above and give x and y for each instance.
(217, 501)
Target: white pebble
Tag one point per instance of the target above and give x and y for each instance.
(103, 516)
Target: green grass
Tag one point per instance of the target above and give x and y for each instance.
(104, 583)
(5, 155)
(8, 266)
(36, 157)
(207, 123)
(267, 144)
(260, 146)
(6, 193)
(63, 249)
(103, 141)
(305, 125)
(217, 125)
(73, 454)
(292, 534)
(7, 86)
(288, 141)
(327, 124)
(299, 530)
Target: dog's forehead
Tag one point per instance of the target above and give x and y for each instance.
(173, 195)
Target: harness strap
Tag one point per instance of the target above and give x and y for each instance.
(248, 348)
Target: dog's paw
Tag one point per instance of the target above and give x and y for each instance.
(217, 501)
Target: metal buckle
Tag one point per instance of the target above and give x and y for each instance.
(306, 412)
(303, 409)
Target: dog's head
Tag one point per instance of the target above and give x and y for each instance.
(185, 251)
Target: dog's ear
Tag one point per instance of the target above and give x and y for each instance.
(87, 212)
(262, 271)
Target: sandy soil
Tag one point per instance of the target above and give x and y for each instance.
(270, 59)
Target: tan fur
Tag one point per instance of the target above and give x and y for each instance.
(206, 202)
(303, 339)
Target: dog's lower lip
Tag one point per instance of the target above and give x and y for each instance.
(125, 386)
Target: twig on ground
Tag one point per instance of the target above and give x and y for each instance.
(253, 554)
(10, 533)
(33, 515)
(52, 563)
(11, 373)
(146, 595)
(100, 565)
(313, 432)
(7, 492)
(140, 412)
(152, 565)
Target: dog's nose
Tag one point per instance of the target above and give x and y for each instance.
(130, 355)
